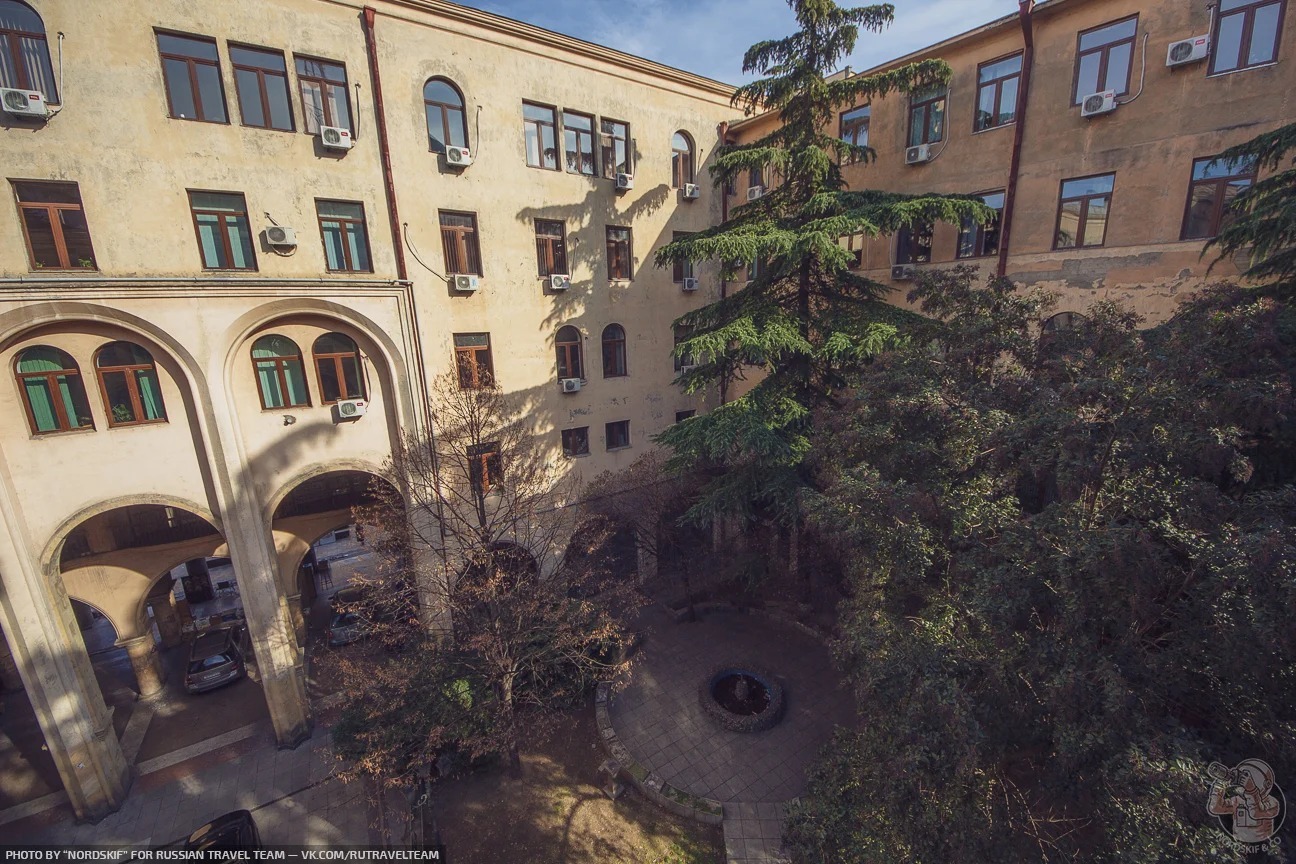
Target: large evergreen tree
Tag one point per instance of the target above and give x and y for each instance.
(806, 320)
(1262, 220)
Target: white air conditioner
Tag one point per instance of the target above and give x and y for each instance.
(465, 281)
(918, 154)
(624, 182)
(335, 138)
(690, 284)
(280, 236)
(571, 385)
(691, 192)
(24, 103)
(755, 192)
(559, 282)
(349, 409)
(1098, 103)
(459, 157)
(684, 369)
(902, 272)
(1188, 50)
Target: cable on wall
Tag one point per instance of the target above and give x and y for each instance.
(414, 252)
(1142, 74)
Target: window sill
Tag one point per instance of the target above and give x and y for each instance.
(616, 449)
(286, 408)
(1227, 72)
(53, 433)
(267, 128)
(36, 271)
(575, 455)
(1007, 125)
(137, 423)
(230, 270)
(555, 168)
(200, 120)
(350, 272)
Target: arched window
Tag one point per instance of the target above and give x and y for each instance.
(52, 390)
(24, 51)
(570, 362)
(681, 159)
(129, 381)
(281, 380)
(337, 361)
(446, 124)
(1063, 321)
(614, 351)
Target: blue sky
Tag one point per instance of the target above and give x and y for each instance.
(709, 36)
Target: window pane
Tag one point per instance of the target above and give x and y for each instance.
(917, 125)
(217, 201)
(1118, 68)
(1068, 225)
(358, 245)
(35, 59)
(76, 237)
(333, 245)
(1095, 222)
(40, 233)
(296, 378)
(1007, 102)
(117, 391)
(351, 377)
(441, 91)
(280, 108)
(1230, 42)
(312, 105)
(456, 131)
(1264, 34)
(535, 112)
(176, 73)
(258, 58)
(937, 122)
(471, 340)
(240, 237)
(986, 108)
(329, 386)
(1087, 78)
(184, 46)
(42, 404)
(436, 129)
(1088, 186)
(274, 345)
(337, 100)
(210, 95)
(249, 95)
(1199, 223)
(1110, 33)
(1007, 66)
(73, 393)
(268, 381)
(1205, 169)
(340, 209)
(150, 394)
(213, 251)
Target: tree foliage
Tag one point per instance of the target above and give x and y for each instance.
(1072, 580)
(1262, 218)
(806, 320)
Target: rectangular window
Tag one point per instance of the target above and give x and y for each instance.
(1082, 211)
(975, 241)
(914, 244)
(755, 177)
(539, 125)
(618, 253)
(551, 246)
(618, 434)
(346, 242)
(576, 441)
(325, 99)
(578, 142)
(485, 467)
(854, 244)
(997, 92)
(1246, 34)
(54, 226)
(681, 270)
(615, 141)
(191, 71)
(1105, 58)
(473, 360)
(459, 237)
(685, 360)
(855, 127)
(681, 416)
(224, 234)
(927, 116)
(1215, 183)
(261, 79)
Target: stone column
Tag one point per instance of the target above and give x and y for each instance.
(9, 677)
(146, 663)
(168, 621)
(298, 620)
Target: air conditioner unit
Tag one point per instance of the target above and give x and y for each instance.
(459, 157)
(688, 368)
(691, 192)
(902, 272)
(571, 385)
(335, 138)
(624, 182)
(349, 409)
(1098, 103)
(690, 284)
(279, 236)
(755, 192)
(559, 282)
(1188, 50)
(24, 103)
(465, 281)
(918, 154)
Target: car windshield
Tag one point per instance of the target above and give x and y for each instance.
(207, 663)
(345, 619)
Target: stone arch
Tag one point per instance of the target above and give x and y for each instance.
(53, 547)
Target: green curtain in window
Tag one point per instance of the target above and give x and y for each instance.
(42, 359)
(268, 381)
(355, 235)
(240, 235)
(275, 345)
(42, 405)
(74, 401)
(213, 252)
(150, 394)
(296, 378)
(333, 245)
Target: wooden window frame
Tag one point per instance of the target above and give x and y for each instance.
(619, 346)
(51, 383)
(263, 89)
(612, 245)
(906, 236)
(132, 388)
(997, 84)
(465, 242)
(346, 247)
(1221, 184)
(682, 157)
(56, 224)
(1105, 51)
(336, 358)
(607, 143)
(1084, 212)
(280, 375)
(681, 270)
(540, 124)
(978, 233)
(581, 135)
(194, 212)
(446, 107)
(570, 352)
(926, 105)
(1247, 10)
(569, 435)
(324, 85)
(607, 435)
(468, 358)
(11, 44)
(850, 131)
(485, 467)
(551, 249)
(191, 63)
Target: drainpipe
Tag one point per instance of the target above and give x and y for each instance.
(1024, 10)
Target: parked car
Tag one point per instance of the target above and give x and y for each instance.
(346, 627)
(236, 830)
(216, 658)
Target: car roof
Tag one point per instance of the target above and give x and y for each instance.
(211, 643)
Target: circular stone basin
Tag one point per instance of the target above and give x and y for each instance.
(741, 698)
